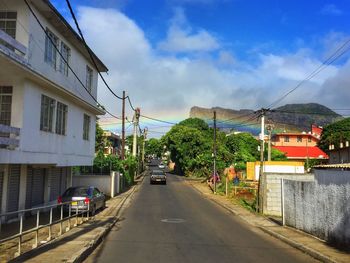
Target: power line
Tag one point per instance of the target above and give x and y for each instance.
(238, 117)
(88, 49)
(65, 61)
(154, 119)
(326, 63)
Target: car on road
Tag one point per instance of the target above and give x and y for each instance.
(158, 176)
(161, 166)
(82, 198)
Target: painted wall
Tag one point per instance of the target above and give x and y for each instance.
(108, 184)
(30, 34)
(288, 167)
(273, 192)
(40, 147)
(279, 140)
(320, 208)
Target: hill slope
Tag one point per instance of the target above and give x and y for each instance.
(291, 117)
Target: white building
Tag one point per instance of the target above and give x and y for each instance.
(47, 118)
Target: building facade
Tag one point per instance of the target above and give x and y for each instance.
(300, 146)
(47, 112)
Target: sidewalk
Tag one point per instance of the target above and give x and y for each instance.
(297, 239)
(80, 241)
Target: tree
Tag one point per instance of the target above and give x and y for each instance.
(335, 133)
(277, 155)
(244, 148)
(154, 146)
(100, 140)
(195, 123)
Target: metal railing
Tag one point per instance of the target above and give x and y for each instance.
(84, 213)
(9, 136)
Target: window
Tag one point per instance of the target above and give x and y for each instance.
(50, 48)
(86, 127)
(309, 139)
(47, 113)
(61, 118)
(65, 51)
(5, 105)
(286, 138)
(8, 25)
(89, 78)
(299, 139)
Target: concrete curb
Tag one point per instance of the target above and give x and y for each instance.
(311, 252)
(89, 247)
(81, 255)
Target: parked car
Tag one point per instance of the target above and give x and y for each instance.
(158, 176)
(161, 166)
(82, 197)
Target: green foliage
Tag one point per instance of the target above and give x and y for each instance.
(277, 155)
(105, 164)
(100, 141)
(335, 133)
(154, 147)
(244, 148)
(196, 123)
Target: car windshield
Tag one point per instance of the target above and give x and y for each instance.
(81, 191)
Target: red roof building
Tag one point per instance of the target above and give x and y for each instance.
(300, 146)
(302, 152)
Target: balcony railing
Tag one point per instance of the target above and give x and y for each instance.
(9, 137)
(11, 43)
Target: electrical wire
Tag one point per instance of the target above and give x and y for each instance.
(65, 61)
(325, 64)
(89, 50)
(154, 119)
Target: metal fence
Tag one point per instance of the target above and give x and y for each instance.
(39, 213)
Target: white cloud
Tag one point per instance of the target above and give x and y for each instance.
(166, 86)
(331, 9)
(182, 38)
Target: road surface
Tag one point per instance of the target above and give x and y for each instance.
(174, 223)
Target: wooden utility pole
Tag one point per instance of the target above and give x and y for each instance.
(214, 152)
(123, 127)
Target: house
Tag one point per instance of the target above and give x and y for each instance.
(300, 146)
(340, 154)
(47, 117)
(114, 143)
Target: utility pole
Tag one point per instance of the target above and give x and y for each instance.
(261, 171)
(123, 127)
(143, 147)
(269, 128)
(136, 123)
(214, 151)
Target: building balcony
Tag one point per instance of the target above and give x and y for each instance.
(9, 137)
(12, 48)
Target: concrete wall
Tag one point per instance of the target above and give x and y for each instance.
(320, 208)
(108, 184)
(273, 192)
(286, 167)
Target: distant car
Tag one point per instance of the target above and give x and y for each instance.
(82, 197)
(158, 176)
(161, 166)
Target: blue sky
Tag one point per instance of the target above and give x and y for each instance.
(173, 54)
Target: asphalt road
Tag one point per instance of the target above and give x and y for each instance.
(174, 223)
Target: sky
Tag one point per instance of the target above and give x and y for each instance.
(170, 55)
